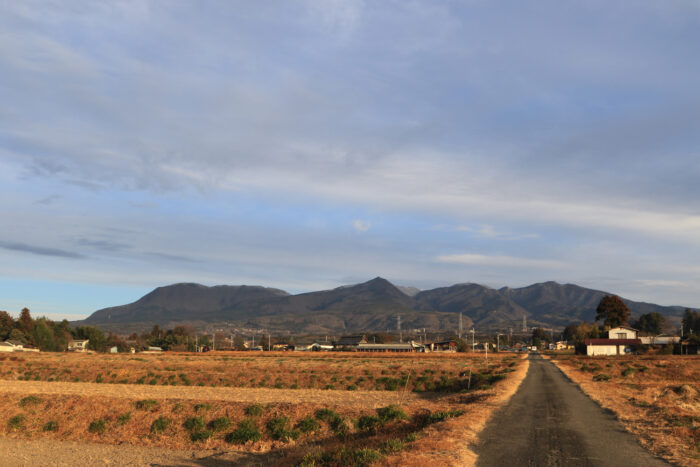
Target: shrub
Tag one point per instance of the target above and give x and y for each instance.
(50, 426)
(203, 406)
(326, 415)
(425, 419)
(146, 404)
(123, 419)
(29, 400)
(246, 431)
(202, 435)
(159, 425)
(341, 456)
(16, 422)
(369, 423)
(307, 424)
(279, 429)
(601, 377)
(98, 426)
(220, 424)
(391, 412)
(393, 445)
(254, 410)
(629, 371)
(194, 424)
(340, 427)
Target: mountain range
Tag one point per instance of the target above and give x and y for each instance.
(370, 306)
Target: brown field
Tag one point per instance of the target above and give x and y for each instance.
(655, 397)
(279, 370)
(43, 401)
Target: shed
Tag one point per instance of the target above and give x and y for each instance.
(78, 345)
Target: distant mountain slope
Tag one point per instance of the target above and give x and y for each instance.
(481, 305)
(370, 306)
(188, 301)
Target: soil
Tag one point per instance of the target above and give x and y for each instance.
(47, 452)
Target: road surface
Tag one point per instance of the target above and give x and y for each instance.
(551, 422)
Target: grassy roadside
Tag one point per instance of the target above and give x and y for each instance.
(654, 397)
(450, 442)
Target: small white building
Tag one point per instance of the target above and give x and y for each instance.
(78, 345)
(662, 339)
(6, 347)
(610, 346)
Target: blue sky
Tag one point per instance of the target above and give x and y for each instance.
(306, 145)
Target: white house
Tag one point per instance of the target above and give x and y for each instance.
(610, 346)
(78, 345)
(622, 332)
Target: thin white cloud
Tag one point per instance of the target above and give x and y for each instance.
(500, 261)
(360, 225)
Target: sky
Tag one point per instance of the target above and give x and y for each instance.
(306, 145)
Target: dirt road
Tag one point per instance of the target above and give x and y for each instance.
(550, 422)
(363, 399)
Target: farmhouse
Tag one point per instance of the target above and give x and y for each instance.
(442, 346)
(315, 346)
(610, 346)
(78, 345)
(350, 342)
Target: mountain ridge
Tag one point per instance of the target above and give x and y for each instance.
(369, 306)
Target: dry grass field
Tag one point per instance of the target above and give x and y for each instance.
(400, 406)
(279, 370)
(655, 397)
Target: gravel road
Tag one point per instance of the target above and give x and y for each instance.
(551, 422)
(363, 399)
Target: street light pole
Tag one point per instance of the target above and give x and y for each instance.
(473, 347)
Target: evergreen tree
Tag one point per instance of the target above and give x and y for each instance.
(613, 311)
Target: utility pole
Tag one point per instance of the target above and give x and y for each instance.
(269, 341)
(460, 325)
(213, 341)
(473, 345)
(498, 344)
(398, 326)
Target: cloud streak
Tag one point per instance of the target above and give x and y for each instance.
(41, 251)
(500, 261)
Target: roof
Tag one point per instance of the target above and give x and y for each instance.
(73, 341)
(613, 341)
(351, 340)
(624, 327)
(385, 346)
(14, 342)
(6, 344)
